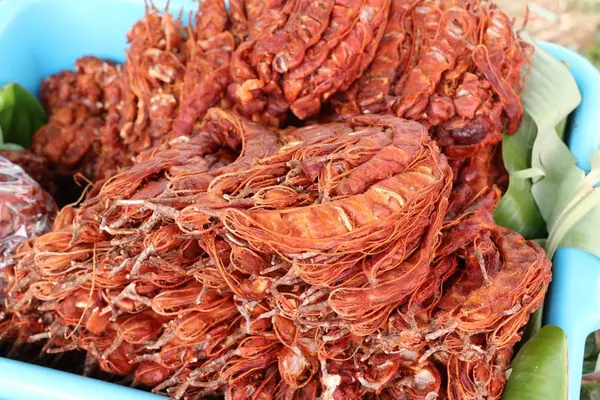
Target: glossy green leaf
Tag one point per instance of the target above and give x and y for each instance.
(21, 115)
(539, 371)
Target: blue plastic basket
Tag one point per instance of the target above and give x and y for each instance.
(41, 37)
(573, 302)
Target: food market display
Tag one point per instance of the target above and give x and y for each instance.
(287, 200)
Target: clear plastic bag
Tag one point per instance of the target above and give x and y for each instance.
(26, 210)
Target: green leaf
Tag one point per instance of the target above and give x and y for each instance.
(565, 197)
(561, 128)
(575, 226)
(551, 92)
(590, 391)
(517, 209)
(21, 115)
(539, 371)
(573, 215)
(589, 366)
(11, 146)
(549, 96)
(547, 191)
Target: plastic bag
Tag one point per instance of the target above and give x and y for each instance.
(26, 210)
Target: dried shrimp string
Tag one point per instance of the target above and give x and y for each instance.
(317, 262)
(103, 115)
(454, 66)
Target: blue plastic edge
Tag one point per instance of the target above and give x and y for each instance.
(573, 301)
(21, 381)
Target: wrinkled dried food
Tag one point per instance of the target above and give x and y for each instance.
(315, 50)
(454, 66)
(319, 261)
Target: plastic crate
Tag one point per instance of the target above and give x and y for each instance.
(41, 37)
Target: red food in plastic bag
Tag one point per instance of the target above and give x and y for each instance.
(26, 210)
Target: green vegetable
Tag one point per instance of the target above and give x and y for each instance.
(539, 371)
(21, 115)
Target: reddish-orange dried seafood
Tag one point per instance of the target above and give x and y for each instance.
(104, 115)
(307, 51)
(454, 66)
(319, 262)
(78, 103)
